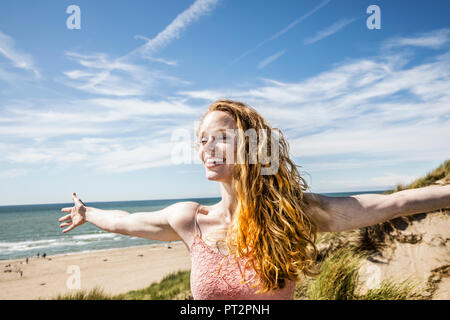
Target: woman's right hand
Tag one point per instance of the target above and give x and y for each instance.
(76, 216)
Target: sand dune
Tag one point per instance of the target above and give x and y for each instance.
(417, 249)
(115, 270)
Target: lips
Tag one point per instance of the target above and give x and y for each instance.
(213, 161)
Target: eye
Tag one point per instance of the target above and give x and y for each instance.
(222, 137)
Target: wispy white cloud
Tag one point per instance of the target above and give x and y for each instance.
(334, 28)
(434, 39)
(393, 179)
(270, 59)
(164, 61)
(198, 9)
(389, 180)
(17, 58)
(283, 31)
(297, 21)
(137, 107)
(106, 76)
(57, 119)
(121, 158)
(104, 134)
(13, 173)
(37, 155)
(120, 76)
(101, 153)
(376, 139)
(208, 94)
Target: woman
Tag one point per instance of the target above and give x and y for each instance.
(259, 239)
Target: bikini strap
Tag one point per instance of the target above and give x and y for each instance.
(196, 225)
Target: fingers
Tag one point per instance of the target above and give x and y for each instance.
(62, 225)
(74, 197)
(77, 200)
(68, 229)
(203, 211)
(66, 217)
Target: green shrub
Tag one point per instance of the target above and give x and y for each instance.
(173, 286)
(392, 290)
(338, 277)
(339, 280)
(441, 172)
(93, 294)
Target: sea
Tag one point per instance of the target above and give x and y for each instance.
(31, 230)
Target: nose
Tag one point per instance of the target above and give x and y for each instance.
(210, 144)
(208, 148)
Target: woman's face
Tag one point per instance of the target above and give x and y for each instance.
(217, 147)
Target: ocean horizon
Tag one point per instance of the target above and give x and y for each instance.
(31, 229)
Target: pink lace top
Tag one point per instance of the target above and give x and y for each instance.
(207, 284)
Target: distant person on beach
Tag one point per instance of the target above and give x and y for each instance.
(260, 237)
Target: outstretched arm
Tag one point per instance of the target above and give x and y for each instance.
(345, 213)
(150, 225)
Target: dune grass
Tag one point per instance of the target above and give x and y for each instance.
(339, 280)
(338, 277)
(441, 172)
(174, 286)
(96, 293)
(392, 290)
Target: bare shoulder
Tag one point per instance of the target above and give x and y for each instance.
(315, 202)
(182, 213)
(318, 209)
(182, 219)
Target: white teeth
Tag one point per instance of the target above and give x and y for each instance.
(214, 160)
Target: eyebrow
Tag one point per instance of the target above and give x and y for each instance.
(218, 130)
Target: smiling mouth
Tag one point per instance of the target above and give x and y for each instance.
(213, 162)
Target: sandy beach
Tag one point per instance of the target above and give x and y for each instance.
(114, 270)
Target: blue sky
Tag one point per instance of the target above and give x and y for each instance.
(94, 110)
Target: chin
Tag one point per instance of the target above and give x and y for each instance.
(213, 176)
(216, 176)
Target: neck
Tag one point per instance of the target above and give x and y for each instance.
(229, 200)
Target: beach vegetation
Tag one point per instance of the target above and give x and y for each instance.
(442, 173)
(96, 293)
(174, 286)
(339, 279)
